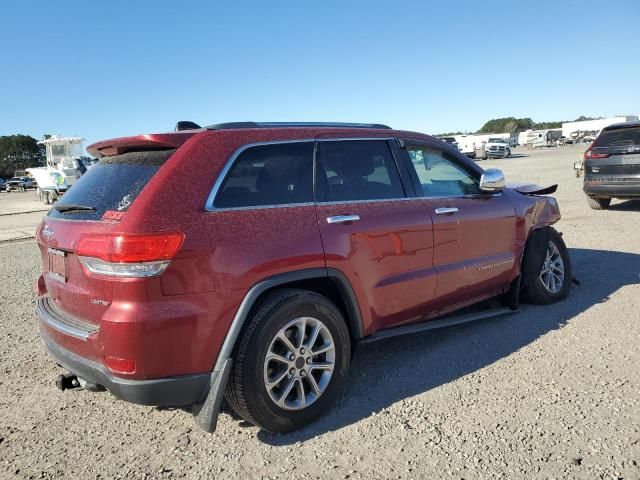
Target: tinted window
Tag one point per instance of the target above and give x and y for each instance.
(357, 170)
(269, 175)
(619, 137)
(440, 175)
(112, 184)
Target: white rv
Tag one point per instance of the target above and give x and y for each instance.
(540, 138)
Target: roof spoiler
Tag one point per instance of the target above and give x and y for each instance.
(157, 141)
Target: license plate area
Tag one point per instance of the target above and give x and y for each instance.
(57, 264)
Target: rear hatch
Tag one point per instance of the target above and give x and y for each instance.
(93, 206)
(615, 154)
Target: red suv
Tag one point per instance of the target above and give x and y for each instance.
(247, 261)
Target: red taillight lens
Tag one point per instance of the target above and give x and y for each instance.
(120, 365)
(589, 154)
(130, 248)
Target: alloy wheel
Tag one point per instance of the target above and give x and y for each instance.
(299, 363)
(552, 273)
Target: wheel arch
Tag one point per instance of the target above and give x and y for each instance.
(329, 282)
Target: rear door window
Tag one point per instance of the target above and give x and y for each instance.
(111, 185)
(267, 175)
(619, 141)
(357, 170)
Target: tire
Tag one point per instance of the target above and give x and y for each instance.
(546, 268)
(598, 203)
(281, 314)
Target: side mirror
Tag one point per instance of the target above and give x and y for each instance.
(492, 180)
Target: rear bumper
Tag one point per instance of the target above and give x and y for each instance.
(616, 190)
(169, 391)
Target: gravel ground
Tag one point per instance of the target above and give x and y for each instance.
(551, 392)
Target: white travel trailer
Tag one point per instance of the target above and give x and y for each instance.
(540, 138)
(568, 128)
(62, 169)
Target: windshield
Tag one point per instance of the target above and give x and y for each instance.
(497, 140)
(59, 151)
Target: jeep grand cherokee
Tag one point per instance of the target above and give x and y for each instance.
(247, 261)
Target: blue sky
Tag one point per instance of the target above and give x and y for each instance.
(117, 68)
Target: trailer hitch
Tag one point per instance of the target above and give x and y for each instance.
(67, 381)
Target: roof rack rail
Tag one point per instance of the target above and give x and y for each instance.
(232, 125)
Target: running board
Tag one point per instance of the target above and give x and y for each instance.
(434, 324)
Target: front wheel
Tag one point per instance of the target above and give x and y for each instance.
(547, 273)
(292, 361)
(598, 203)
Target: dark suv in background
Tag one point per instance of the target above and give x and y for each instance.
(248, 260)
(612, 165)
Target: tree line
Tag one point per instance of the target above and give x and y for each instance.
(18, 152)
(516, 125)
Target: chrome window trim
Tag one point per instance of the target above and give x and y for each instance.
(209, 204)
(374, 200)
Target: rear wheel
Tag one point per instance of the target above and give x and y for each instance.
(292, 361)
(598, 203)
(546, 268)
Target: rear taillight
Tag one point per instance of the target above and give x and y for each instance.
(589, 154)
(128, 255)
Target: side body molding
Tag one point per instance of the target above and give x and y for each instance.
(206, 413)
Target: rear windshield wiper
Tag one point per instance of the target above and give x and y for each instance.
(73, 208)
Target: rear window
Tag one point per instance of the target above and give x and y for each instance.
(279, 174)
(111, 185)
(619, 137)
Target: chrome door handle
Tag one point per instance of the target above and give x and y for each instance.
(446, 210)
(343, 218)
